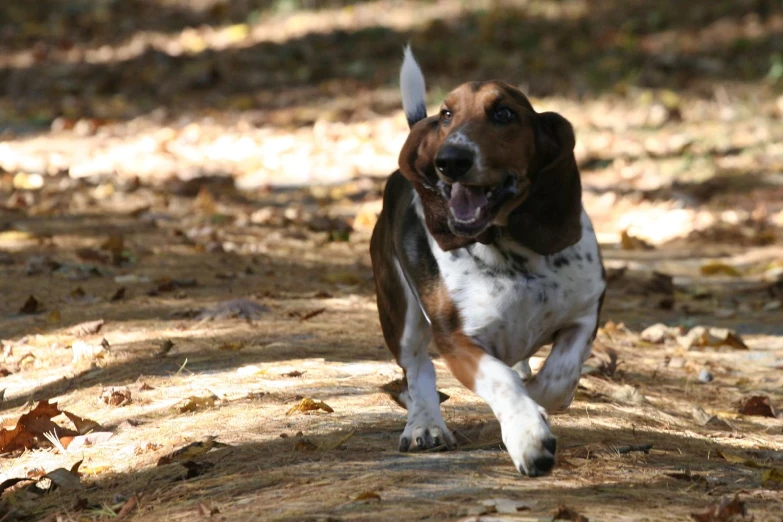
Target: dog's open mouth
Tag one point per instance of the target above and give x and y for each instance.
(472, 207)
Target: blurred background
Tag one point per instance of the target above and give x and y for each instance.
(168, 167)
(673, 102)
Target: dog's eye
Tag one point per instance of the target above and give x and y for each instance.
(445, 115)
(502, 115)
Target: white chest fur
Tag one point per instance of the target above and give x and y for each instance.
(512, 300)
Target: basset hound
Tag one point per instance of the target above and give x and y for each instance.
(483, 246)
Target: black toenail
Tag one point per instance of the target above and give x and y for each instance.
(405, 443)
(550, 445)
(428, 438)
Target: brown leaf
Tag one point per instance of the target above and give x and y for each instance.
(83, 426)
(310, 315)
(758, 405)
(86, 328)
(629, 242)
(190, 451)
(367, 497)
(232, 346)
(63, 478)
(116, 246)
(30, 306)
(395, 388)
(126, 508)
(205, 510)
(12, 482)
(307, 405)
(30, 428)
(738, 459)
(565, 513)
(116, 396)
(729, 510)
(197, 403)
(305, 444)
(718, 268)
(118, 295)
(295, 373)
(772, 476)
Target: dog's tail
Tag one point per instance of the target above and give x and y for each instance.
(413, 88)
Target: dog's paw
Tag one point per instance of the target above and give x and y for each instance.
(426, 433)
(529, 441)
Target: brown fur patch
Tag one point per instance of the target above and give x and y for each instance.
(537, 149)
(461, 353)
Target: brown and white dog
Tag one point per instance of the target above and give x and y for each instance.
(483, 246)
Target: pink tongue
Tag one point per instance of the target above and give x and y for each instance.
(465, 200)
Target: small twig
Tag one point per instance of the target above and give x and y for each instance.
(644, 448)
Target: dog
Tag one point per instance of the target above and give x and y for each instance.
(483, 246)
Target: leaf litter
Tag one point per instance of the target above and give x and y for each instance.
(667, 153)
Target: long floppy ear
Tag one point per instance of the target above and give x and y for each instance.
(548, 221)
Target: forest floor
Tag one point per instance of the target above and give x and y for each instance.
(184, 229)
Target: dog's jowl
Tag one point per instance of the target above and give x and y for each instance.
(484, 248)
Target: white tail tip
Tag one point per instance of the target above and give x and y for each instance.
(412, 88)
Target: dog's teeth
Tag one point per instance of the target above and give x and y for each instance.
(478, 211)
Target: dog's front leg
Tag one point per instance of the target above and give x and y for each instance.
(523, 423)
(554, 385)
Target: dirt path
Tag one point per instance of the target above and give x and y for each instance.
(185, 264)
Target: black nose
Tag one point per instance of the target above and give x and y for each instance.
(453, 162)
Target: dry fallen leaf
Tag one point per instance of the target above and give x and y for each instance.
(31, 426)
(206, 511)
(629, 242)
(738, 459)
(367, 497)
(232, 346)
(190, 451)
(86, 328)
(759, 406)
(565, 513)
(718, 268)
(194, 403)
(729, 510)
(701, 336)
(395, 388)
(118, 295)
(772, 476)
(116, 396)
(63, 478)
(116, 247)
(126, 508)
(307, 405)
(83, 426)
(31, 306)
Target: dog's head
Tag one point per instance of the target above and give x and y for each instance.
(489, 165)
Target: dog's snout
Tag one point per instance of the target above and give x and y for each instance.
(454, 162)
